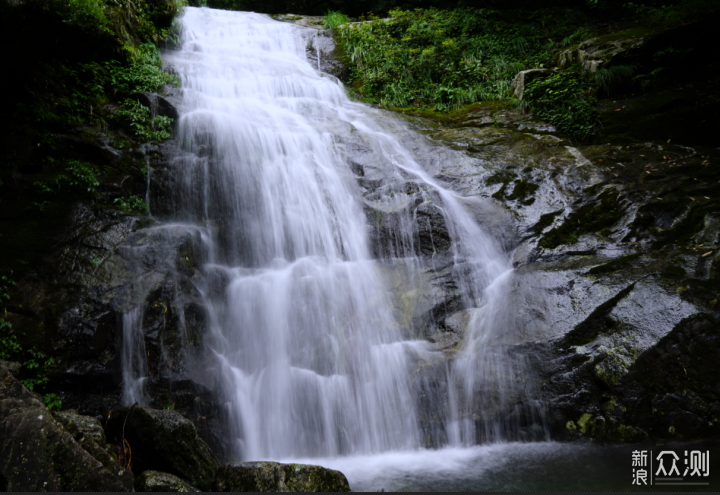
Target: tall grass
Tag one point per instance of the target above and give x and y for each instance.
(334, 19)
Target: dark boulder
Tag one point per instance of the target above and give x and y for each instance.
(155, 481)
(88, 432)
(38, 454)
(163, 440)
(276, 477)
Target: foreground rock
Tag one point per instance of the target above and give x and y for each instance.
(276, 477)
(88, 432)
(38, 454)
(165, 441)
(155, 481)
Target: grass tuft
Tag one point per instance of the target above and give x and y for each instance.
(334, 19)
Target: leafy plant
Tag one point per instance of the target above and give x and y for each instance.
(133, 203)
(39, 362)
(35, 363)
(9, 346)
(334, 19)
(144, 74)
(143, 125)
(564, 100)
(77, 180)
(53, 402)
(612, 78)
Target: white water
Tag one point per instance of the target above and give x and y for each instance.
(314, 363)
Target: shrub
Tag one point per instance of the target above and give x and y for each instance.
(334, 19)
(78, 180)
(144, 126)
(564, 100)
(449, 58)
(133, 203)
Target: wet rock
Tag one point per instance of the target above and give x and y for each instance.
(276, 477)
(38, 454)
(157, 103)
(524, 77)
(88, 147)
(673, 388)
(197, 404)
(81, 426)
(12, 366)
(165, 441)
(155, 481)
(88, 432)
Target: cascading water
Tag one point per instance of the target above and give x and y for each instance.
(314, 360)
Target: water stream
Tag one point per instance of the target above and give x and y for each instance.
(316, 362)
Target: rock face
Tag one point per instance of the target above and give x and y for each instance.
(38, 454)
(596, 52)
(155, 481)
(276, 477)
(523, 78)
(165, 441)
(88, 432)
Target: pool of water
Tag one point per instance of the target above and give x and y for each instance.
(546, 466)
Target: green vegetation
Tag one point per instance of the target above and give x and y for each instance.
(564, 99)
(78, 180)
(35, 364)
(143, 126)
(334, 19)
(595, 216)
(143, 74)
(133, 203)
(108, 52)
(446, 59)
(52, 401)
(9, 345)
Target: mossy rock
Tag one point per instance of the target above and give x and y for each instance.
(276, 477)
(165, 441)
(38, 454)
(155, 481)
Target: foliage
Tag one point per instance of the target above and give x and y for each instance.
(610, 79)
(334, 19)
(564, 100)
(133, 203)
(144, 74)
(35, 363)
(144, 126)
(445, 59)
(38, 364)
(79, 179)
(53, 402)
(9, 345)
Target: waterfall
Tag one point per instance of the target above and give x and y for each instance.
(314, 361)
(134, 362)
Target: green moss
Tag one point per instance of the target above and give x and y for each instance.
(602, 213)
(522, 190)
(584, 422)
(615, 363)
